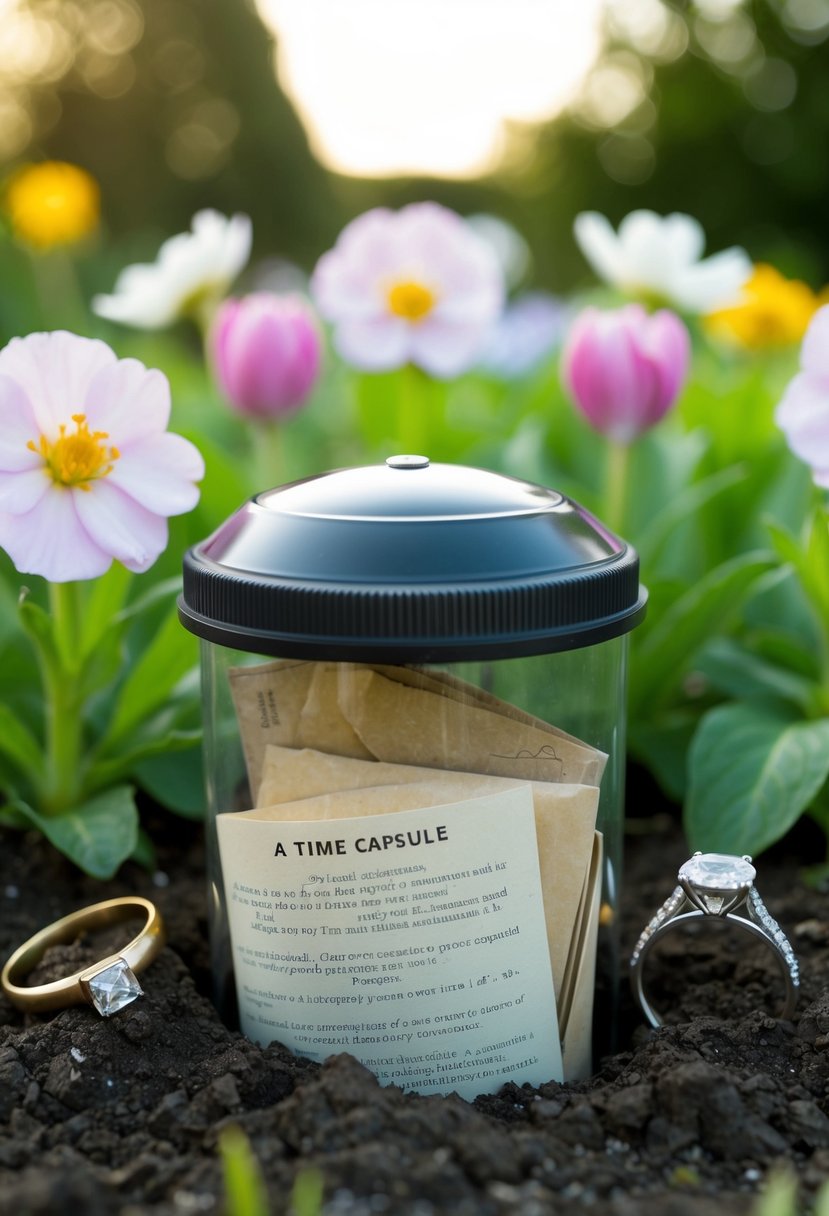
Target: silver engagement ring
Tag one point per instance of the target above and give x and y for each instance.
(719, 885)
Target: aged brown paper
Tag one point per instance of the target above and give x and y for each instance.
(336, 740)
(414, 726)
(576, 1006)
(361, 711)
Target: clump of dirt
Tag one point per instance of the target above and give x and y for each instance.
(123, 1115)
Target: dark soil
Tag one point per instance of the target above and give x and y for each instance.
(124, 1115)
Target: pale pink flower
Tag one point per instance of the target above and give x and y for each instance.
(88, 471)
(625, 368)
(803, 413)
(412, 286)
(266, 352)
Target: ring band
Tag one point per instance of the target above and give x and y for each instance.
(107, 985)
(718, 885)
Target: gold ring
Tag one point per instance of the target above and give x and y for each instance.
(107, 985)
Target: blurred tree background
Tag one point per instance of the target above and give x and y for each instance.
(720, 109)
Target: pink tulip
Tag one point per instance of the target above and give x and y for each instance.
(266, 352)
(625, 368)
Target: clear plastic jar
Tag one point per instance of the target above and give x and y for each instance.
(414, 684)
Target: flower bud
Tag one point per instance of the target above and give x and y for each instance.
(266, 352)
(625, 368)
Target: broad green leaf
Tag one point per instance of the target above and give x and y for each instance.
(785, 650)
(171, 654)
(19, 745)
(102, 665)
(175, 781)
(102, 773)
(663, 747)
(144, 853)
(682, 507)
(740, 674)
(98, 835)
(665, 652)
(752, 774)
(809, 557)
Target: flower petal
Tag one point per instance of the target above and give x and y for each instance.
(50, 540)
(600, 245)
(206, 259)
(803, 416)
(54, 370)
(127, 401)
(814, 354)
(121, 526)
(158, 472)
(138, 299)
(18, 427)
(379, 345)
(19, 492)
(713, 283)
(649, 259)
(446, 350)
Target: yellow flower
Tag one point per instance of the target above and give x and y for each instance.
(53, 203)
(774, 311)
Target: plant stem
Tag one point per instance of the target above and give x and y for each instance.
(63, 702)
(59, 294)
(268, 455)
(412, 422)
(616, 484)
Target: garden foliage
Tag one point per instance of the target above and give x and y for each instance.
(671, 431)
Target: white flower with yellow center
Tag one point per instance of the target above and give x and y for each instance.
(88, 470)
(412, 286)
(659, 259)
(190, 276)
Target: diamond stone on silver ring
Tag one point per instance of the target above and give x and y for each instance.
(720, 885)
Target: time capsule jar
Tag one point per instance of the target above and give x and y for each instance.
(401, 639)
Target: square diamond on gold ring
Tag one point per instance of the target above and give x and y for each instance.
(722, 886)
(108, 985)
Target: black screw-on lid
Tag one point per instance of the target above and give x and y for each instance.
(410, 561)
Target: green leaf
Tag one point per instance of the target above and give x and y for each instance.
(681, 508)
(103, 604)
(175, 781)
(738, 673)
(19, 745)
(171, 654)
(662, 658)
(167, 589)
(39, 626)
(98, 835)
(817, 563)
(752, 774)
(810, 559)
(144, 853)
(245, 1191)
(105, 772)
(662, 747)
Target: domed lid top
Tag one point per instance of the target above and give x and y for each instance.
(410, 558)
(408, 487)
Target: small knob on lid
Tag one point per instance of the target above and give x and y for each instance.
(408, 462)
